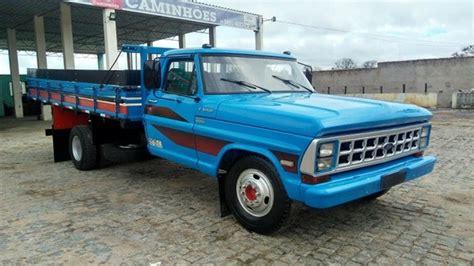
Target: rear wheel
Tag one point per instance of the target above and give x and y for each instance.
(255, 195)
(83, 152)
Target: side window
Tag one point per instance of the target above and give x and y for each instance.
(181, 78)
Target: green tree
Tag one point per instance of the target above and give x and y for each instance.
(466, 51)
(369, 64)
(345, 63)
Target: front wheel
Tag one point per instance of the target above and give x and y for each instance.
(256, 196)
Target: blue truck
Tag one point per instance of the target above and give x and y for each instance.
(250, 118)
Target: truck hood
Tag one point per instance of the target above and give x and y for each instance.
(317, 114)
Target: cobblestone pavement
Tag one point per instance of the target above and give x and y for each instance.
(158, 212)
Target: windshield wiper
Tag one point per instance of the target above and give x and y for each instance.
(246, 84)
(293, 83)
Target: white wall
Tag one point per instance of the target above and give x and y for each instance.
(442, 76)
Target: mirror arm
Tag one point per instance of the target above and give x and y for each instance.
(306, 65)
(156, 73)
(196, 99)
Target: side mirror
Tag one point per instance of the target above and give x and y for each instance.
(307, 71)
(309, 75)
(151, 74)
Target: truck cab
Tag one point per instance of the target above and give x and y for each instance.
(253, 120)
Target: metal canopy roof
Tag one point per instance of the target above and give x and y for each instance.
(132, 27)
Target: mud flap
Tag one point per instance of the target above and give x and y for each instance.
(63, 121)
(60, 143)
(224, 209)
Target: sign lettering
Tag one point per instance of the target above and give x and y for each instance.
(182, 10)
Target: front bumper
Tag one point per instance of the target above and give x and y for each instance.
(355, 184)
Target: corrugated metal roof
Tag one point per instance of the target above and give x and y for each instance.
(231, 9)
(132, 28)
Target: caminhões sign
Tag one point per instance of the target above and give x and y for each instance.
(181, 9)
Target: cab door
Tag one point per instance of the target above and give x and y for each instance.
(170, 113)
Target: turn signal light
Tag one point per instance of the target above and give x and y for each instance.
(307, 179)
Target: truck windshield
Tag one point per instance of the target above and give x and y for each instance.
(271, 74)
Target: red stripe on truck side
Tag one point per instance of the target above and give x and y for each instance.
(202, 144)
(181, 138)
(43, 94)
(86, 102)
(55, 96)
(109, 107)
(163, 112)
(33, 92)
(123, 110)
(209, 145)
(69, 99)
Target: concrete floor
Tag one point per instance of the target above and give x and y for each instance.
(159, 212)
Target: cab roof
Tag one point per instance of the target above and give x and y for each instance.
(226, 51)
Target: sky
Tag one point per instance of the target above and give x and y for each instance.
(319, 32)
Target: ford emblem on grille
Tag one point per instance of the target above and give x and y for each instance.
(388, 146)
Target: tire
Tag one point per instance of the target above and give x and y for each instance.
(84, 154)
(260, 202)
(376, 195)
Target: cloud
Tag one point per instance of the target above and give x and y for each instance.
(378, 30)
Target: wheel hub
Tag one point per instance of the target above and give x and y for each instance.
(250, 193)
(255, 192)
(76, 148)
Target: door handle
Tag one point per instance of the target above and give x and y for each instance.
(170, 99)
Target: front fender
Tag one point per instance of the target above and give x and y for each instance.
(261, 141)
(290, 181)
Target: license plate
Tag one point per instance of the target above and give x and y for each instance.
(391, 180)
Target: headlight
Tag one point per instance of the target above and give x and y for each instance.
(326, 150)
(325, 156)
(423, 142)
(324, 163)
(425, 132)
(424, 138)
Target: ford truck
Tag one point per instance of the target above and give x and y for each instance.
(250, 118)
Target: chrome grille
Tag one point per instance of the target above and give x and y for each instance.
(365, 149)
(377, 146)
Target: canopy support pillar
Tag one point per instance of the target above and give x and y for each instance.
(15, 72)
(110, 36)
(212, 36)
(100, 61)
(41, 60)
(182, 40)
(259, 35)
(66, 36)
